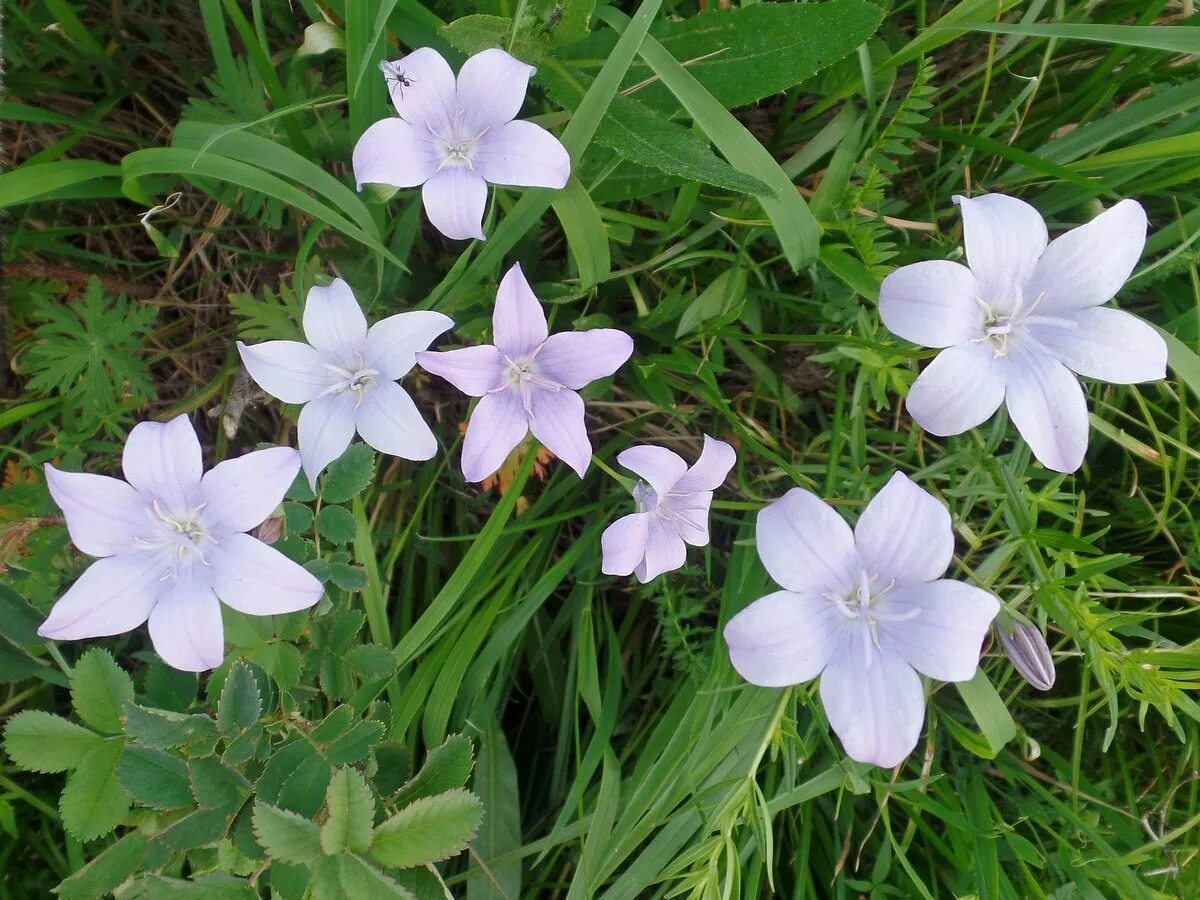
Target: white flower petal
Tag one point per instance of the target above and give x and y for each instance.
(393, 343)
(1087, 265)
(1048, 407)
(658, 466)
(933, 303)
(104, 515)
(691, 516)
(112, 596)
(394, 152)
(497, 425)
(665, 551)
(556, 419)
(875, 711)
(455, 199)
(334, 322)
(430, 97)
(577, 358)
(163, 462)
(473, 370)
(491, 89)
(963, 386)
(710, 470)
(186, 627)
(1108, 344)
(1004, 237)
(784, 638)
(943, 640)
(623, 544)
(259, 580)
(518, 323)
(324, 431)
(522, 154)
(291, 371)
(388, 420)
(240, 493)
(806, 546)
(904, 534)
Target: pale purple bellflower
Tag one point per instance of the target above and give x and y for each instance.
(346, 377)
(527, 381)
(172, 545)
(672, 509)
(866, 610)
(1020, 320)
(456, 136)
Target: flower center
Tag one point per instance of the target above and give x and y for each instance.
(184, 537)
(866, 607)
(457, 144)
(357, 379)
(521, 374)
(1000, 329)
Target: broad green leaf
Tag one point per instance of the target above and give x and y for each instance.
(500, 831)
(1183, 361)
(285, 835)
(346, 875)
(99, 690)
(991, 715)
(336, 524)
(240, 704)
(447, 766)
(430, 830)
(39, 741)
(355, 744)
(349, 474)
(93, 802)
(208, 886)
(106, 871)
(720, 302)
(217, 786)
(165, 729)
(154, 778)
(585, 233)
(27, 183)
(351, 809)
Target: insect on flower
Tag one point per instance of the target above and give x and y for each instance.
(395, 76)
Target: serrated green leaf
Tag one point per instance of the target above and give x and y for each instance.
(446, 766)
(240, 704)
(99, 690)
(351, 809)
(355, 744)
(154, 778)
(336, 524)
(106, 871)
(209, 886)
(347, 875)
(42, 742)
(349, 474)
(285, 835)
(217, 786)
(93, 802)
(429, 830)
(165, 730)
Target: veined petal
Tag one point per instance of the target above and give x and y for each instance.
(556, 419)
(522, 154)
(259, 580)
(430, 98)
(454, 200)
(963, 386)
(623, 544)
(1048, 407)
(388, 420)
(241, 493)
(933, 303)
(291, 371)
(518, 323)
(497, 425)
(394, 152)
(473, 370)
(1087, 265)
(577, 358)
(875, 711)
(491, 89)
(710, 470)
(784, 638)
(105, 516)
(324, 431)
(944, 637)
(334, 322)
(904, 534)
(660, 467)
(665, 551)
(691, 515)
(112, 596)
(163, 462)
(1107, 344)
(806, 546)
(186, 627)
(1004, 237)
(393, 343)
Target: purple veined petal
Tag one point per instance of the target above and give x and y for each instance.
(665, 551)
(334, 323)
(937, 628)
(690, 513)
(710, 470)
(932, 303)
(491, 89)
(393, 343)
(1108, 344)
(243, 492)
(112, 596)
(496, 426)
(455, 199)
(806, 546)
(394, 152)
(875, 711)
(259, 580)
(785, 638)
(163, 462)
(518, 323)
(962, 387)
(430, 96)
(904, 534)
(577, 358)
(324, 431)
(388, 420)
(1087, 265)
(522, 154)
(105, 516)
(657, 466)
(473, 370)
(623, 544)
(186, 627)
(1048, 407)
(556, 419)
(291, 371)
(1004, 237)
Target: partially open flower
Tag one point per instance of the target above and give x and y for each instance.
(1026, 648)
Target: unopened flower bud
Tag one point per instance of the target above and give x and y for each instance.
(270, 530)
(1027, 650)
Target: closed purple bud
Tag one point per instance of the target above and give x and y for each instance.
(1027, 650)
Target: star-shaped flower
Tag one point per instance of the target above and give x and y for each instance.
(346, 377)
(672, 509)
(457, 136)
(172, 545)
(527, 381)
(1020, 320)
(866, 610)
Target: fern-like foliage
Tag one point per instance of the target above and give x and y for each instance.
(273, 316)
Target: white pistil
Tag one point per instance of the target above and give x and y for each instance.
(999, 329)
(457, 149)
(863, 606)
(519, 374)
(357, 379)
